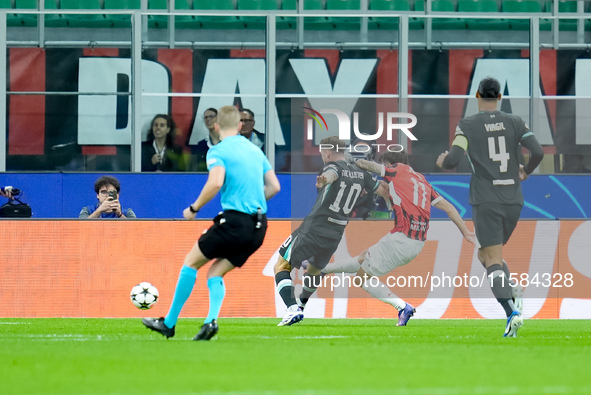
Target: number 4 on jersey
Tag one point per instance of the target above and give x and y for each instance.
(502, 156)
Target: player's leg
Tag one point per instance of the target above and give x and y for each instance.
(322, 250)
(241, 243)
(516, 289)
(512, 214)
(217, 292)
(376, 288)
(311, 280)
(392, 251)
(285, 288)
(350, 265)
(185, 283)
(488, 223)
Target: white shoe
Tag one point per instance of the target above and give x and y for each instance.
(293, 316)
(517, 293)
(514, 322)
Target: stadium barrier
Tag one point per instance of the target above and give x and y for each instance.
(87, 269)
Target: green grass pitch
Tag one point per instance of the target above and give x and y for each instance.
(253, 356)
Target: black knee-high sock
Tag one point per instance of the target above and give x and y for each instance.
(285, 287)
(506, 270)
(310, 285)
(501, 287)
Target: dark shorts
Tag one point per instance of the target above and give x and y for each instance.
(494, 223)
(233, 236)
(315, 249)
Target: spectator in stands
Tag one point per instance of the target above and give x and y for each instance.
(200, 150)
(107, 190)
(248, 130)
(160, 153)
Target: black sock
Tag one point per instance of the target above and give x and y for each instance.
(285, 287)
(310, 285)
(501, 287)
(506, 270)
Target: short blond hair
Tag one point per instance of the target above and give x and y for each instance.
(228, 118)
(337, 144)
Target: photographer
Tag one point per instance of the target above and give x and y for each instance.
(107, 192)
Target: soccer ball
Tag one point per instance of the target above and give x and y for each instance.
(144, 295)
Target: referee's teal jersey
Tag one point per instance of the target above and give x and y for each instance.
(246, 165)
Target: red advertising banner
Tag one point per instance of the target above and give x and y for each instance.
(87, 269)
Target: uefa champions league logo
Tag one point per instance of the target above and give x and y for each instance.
(390, 119)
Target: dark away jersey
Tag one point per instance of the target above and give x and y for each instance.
(411, 197)
(336, 201)
(492, 141)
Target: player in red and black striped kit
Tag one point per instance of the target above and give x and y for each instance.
(411, 197)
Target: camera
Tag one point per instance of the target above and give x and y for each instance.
(11, 190)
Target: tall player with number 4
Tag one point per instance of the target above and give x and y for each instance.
(493, 141)
(339, 185)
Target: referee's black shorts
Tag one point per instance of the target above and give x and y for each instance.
(300, 247)
(494, 222)
(234, 236)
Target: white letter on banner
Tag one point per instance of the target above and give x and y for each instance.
(222, 77)
(97, 114)
(513, 74)
(314, 77)
(578, 254)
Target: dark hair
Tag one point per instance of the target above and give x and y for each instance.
(170, 123)
(394, 157)
(248, 111)
(215, 110)
(489, 88)
(107, 180)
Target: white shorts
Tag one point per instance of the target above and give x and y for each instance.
(392, 251)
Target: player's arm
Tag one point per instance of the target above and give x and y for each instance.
(212, 186)
(370, 166)
(450, 159)
(272, 185)
(328, 176)
(453, 214)
(530, 142)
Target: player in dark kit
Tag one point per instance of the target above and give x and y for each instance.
(339, 187)
(493, 141)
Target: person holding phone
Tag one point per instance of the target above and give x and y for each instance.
(107, 190)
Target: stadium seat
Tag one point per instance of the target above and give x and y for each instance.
(217, 22)
(180, 21)
(442, 6)
(524, 6)
(392, 5)
(467, 6)
(290, 5)
(11, 19)
(258, 22)
(312, 22)
(565, 6)
(54, 20)
(122, 20)
(344, 23)
(81, 20)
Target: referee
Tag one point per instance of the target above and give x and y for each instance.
(246, 180)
